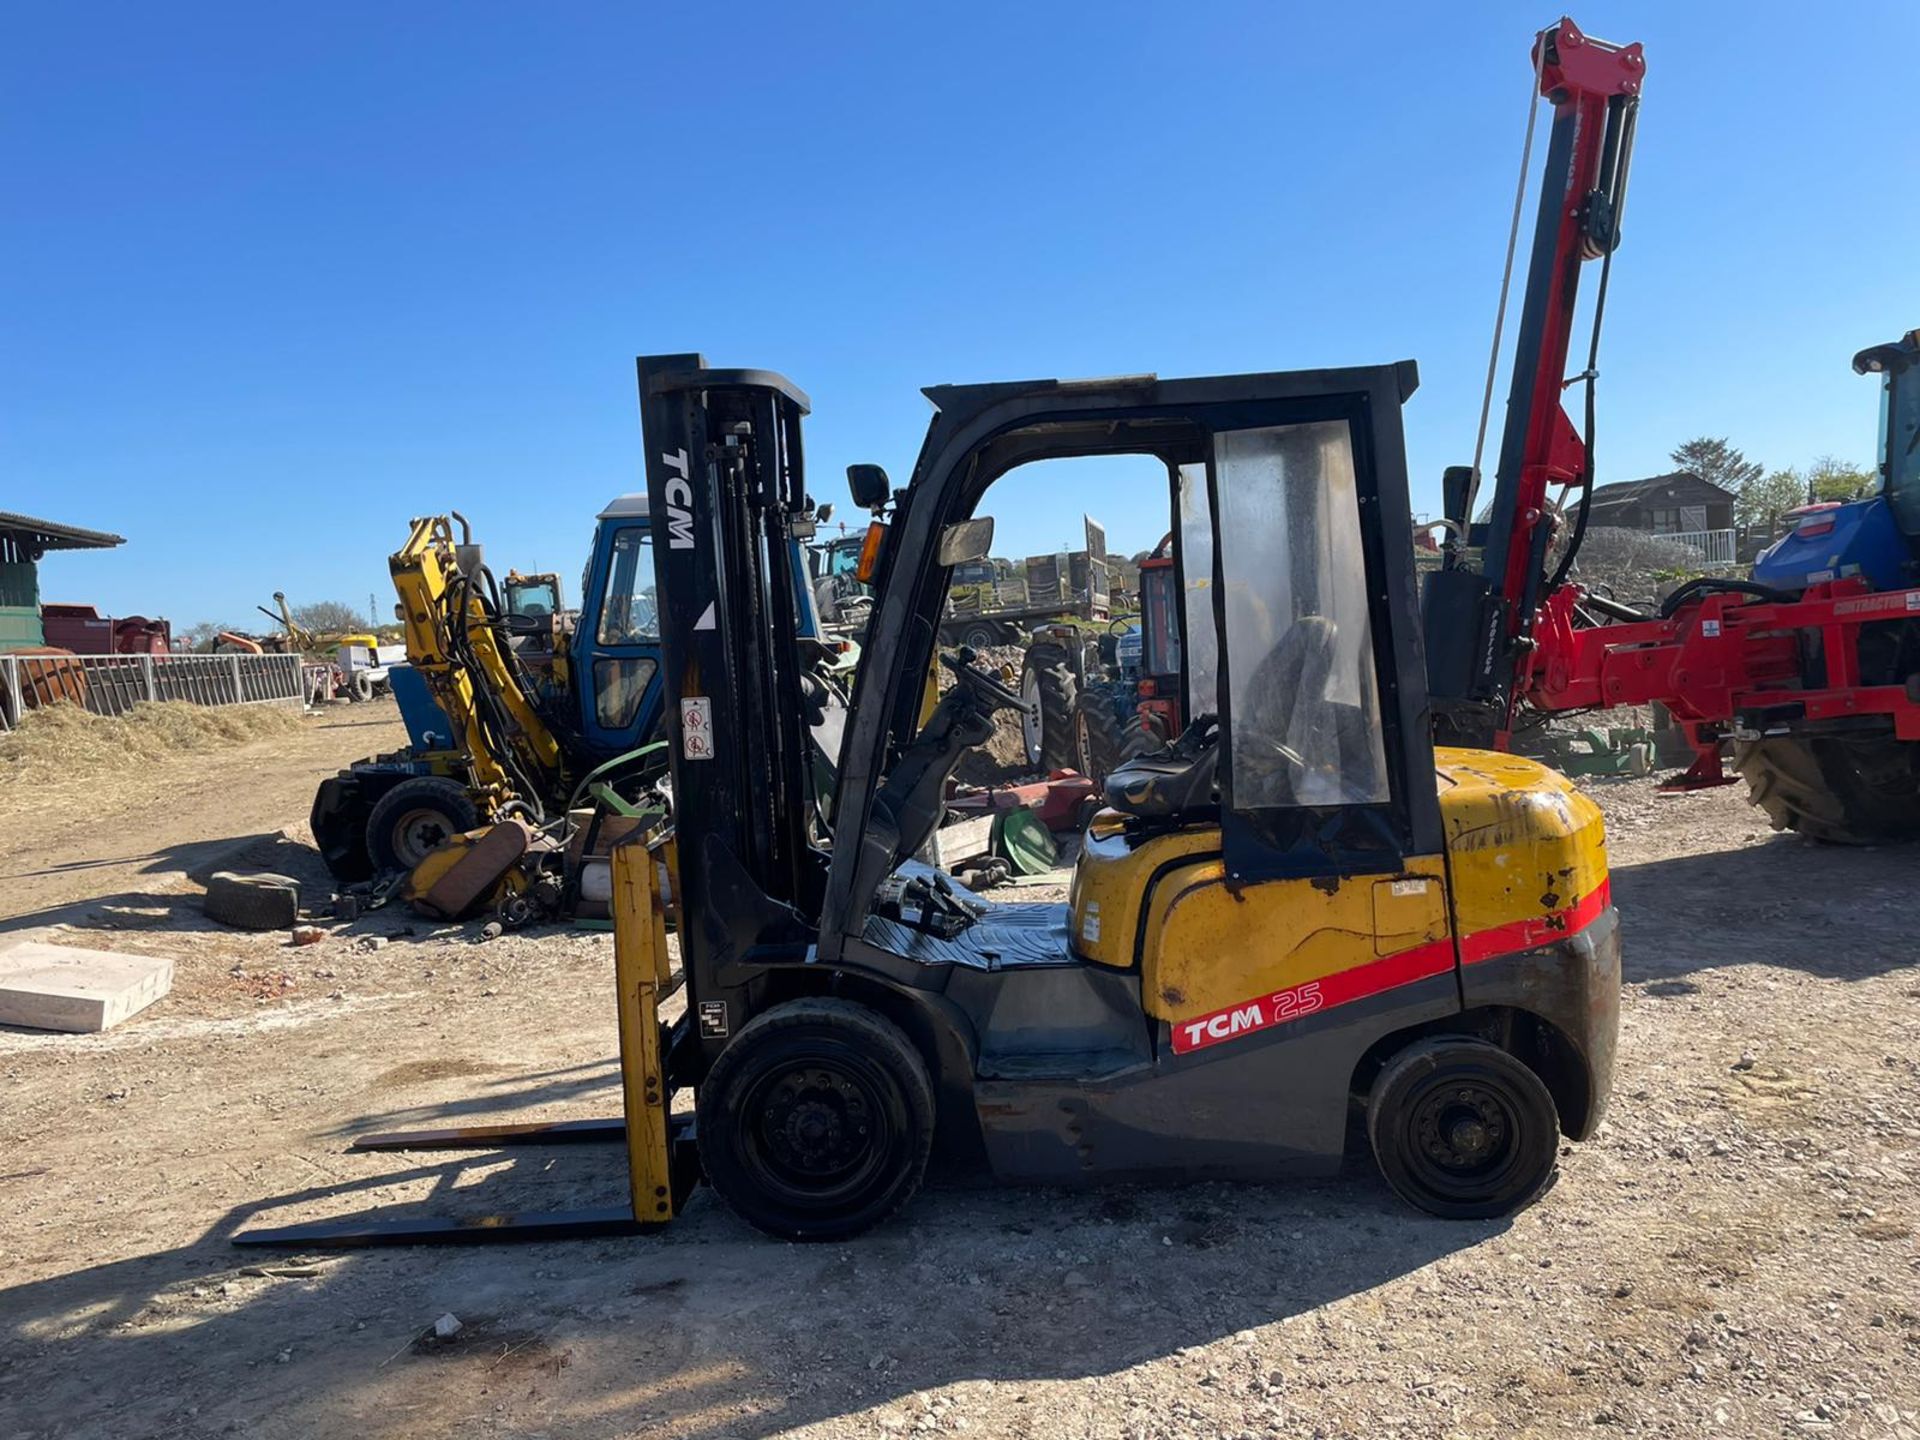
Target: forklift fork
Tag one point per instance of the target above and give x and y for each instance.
(662, 1163)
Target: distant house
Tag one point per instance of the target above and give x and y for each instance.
(1693, 511)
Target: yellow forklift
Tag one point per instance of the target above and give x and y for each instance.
(1299, 923)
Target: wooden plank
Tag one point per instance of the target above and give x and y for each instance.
(946, 848)
(62, 987)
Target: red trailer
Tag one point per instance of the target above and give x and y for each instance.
(85, 631)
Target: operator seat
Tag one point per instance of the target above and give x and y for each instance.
(1165, 784)
(1284, 700)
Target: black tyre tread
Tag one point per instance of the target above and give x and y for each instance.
(449, 796)
(856, 1022)
(1839, 789)
(1108, 743)
(1421, 1059)
(261, 901)
(1059, 696)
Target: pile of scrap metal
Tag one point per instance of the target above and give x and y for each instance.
(996, 833)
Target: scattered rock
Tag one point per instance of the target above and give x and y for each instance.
(447, 1326)
(308, 934)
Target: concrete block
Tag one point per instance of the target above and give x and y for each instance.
(62, 987)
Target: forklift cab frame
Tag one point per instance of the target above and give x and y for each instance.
(1304, 910)
(983, 431)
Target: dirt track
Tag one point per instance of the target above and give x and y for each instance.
(1735, 1255)
(141, 834)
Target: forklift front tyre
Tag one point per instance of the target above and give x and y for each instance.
(1463, 1129)
(816, 1121)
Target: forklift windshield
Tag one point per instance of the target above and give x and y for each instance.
(1303, 698)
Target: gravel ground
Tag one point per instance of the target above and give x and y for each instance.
(1734, 1255)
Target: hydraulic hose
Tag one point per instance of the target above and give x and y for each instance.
(1709, 585)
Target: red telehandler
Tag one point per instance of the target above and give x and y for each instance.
(1810, 670)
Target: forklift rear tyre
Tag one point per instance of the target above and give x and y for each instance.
(816, 1121)
(1463, 1129)
(413, 817)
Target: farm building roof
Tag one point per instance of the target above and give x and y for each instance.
(43, 535)
(1681, 486)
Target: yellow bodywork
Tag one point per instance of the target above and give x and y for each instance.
(423, 572)
(1523, 847)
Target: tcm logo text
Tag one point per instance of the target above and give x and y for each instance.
(1246, 1017)
(679, 501)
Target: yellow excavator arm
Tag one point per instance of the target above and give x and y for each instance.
(455, 646)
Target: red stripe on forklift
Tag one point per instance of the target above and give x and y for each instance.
(1536, 930)
(1422, 962)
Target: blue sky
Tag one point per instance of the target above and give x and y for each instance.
(273, 279)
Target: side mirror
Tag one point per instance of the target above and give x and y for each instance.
(1455, 481)
(966, 540)
(823, 514)
(870, 486)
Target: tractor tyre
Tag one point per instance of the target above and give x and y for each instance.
(1840, 789)
(1051, 693)
(1463, 1129)
(1103, 742)
(339, 823)
(816, 1121)
(415, 816)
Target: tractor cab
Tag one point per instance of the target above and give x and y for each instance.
(616, 643)
(1294, 910)
(1157, 657)
(1878, 537)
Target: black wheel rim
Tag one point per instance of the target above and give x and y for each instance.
(1462, 1136)
(818, 1132)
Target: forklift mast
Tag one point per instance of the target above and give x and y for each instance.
(1480, 622)
(725, 486)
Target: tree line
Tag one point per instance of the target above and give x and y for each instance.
(1761, 496)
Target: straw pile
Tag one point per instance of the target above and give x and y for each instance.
(63, 743)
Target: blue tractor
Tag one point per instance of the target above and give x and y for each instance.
(511, 705)
(1841, 761)
(1878, 537)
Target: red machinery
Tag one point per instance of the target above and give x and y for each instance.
(1817, 685)
(85, 631)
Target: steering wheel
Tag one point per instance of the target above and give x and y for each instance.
(961, 664)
